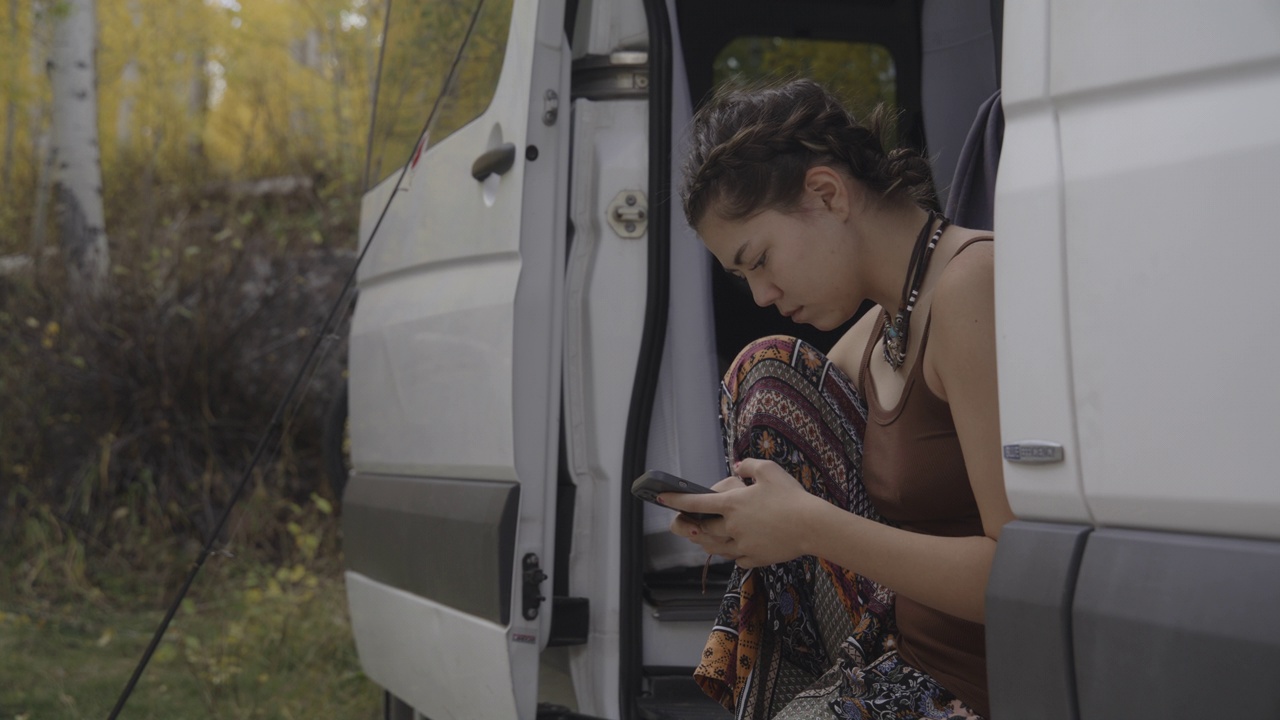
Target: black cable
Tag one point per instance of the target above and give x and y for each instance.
(273, 428)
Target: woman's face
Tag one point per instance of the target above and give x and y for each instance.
(800, 262)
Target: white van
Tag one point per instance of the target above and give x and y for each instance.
(536, 326)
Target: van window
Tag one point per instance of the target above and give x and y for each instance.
(421, 40)
(860, 74)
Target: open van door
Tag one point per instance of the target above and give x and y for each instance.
(455, 356)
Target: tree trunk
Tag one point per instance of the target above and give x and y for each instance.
(197, 102)
(337, 82)
(78, 170)
(129, 79)
(10, 103)
(38, 113)
(306, 52)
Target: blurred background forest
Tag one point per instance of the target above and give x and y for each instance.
(231, 145)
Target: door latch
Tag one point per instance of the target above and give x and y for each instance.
(532, 591)
(550, 107)
(628, 214)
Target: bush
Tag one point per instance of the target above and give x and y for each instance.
(135, 416)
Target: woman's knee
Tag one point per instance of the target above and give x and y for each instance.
(770, 347)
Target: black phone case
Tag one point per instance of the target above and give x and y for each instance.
(648, 486)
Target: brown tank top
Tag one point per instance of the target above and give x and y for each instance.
(915, 476)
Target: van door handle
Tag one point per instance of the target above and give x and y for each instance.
(496, 161)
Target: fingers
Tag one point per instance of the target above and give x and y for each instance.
(750, 468)
(685, 526)
(707, 534)
(704, 503)
(733, 482)
(689, 526)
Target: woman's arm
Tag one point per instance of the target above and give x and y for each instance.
(775, 519)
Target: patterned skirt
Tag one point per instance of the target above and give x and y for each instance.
(807, 638)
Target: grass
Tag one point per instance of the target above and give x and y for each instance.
(254, 639)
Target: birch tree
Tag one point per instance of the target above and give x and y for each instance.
(11, 100)
(78, 171)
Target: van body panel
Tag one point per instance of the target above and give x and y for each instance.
(428, 352)
(1099, 44)
(1024, 74)
(400, 639)
(601, 349)
(1173, 333)
(469, 525)
(1176, 625)
(538, 349)
(454, 395)
(1032, 339)
(1150, 155)
(1031, 660)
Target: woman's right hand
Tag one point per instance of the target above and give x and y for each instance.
(697, 531)
(765, 522)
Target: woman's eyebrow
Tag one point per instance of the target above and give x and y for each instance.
(737, 257)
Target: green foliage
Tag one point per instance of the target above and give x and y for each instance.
(141, 413)
(860, 74)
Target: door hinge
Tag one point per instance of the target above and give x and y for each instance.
(533, 577)
(628, 214)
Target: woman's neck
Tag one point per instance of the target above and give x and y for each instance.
(888, 236)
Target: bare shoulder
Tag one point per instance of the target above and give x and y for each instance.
(962, 327)
(966, 285)
(847, 352)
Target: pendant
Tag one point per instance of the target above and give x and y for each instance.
(895, 341)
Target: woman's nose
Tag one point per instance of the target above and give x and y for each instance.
(764, 293)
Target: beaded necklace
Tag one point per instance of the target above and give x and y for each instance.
(896, 331)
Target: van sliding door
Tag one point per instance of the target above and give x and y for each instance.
(455, 356)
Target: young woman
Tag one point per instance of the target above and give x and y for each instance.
(867, 496)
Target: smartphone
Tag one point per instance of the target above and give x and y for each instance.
(649, 485)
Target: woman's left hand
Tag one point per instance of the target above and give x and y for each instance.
(762, 523)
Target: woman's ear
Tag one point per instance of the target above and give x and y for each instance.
(827, 189)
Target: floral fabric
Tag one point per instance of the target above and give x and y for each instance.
(808, 638)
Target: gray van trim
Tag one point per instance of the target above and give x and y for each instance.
(1030, 672)
(1176, 625)
(451, 541)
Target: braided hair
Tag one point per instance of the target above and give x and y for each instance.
(751, 148)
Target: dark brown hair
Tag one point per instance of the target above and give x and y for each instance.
(750, 150)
